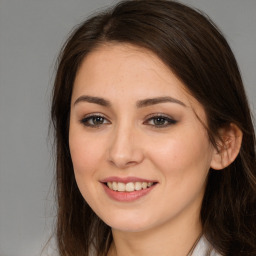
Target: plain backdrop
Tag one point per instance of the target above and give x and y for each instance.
(31, 34)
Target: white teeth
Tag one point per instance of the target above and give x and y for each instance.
(114, 186)
(137, 185)
(128, 187)
(120, 187)
(150, 184)
(144, 185)
(110, 185)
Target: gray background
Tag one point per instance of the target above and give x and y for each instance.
(31, 34)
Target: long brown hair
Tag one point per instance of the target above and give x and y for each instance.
(194, 49)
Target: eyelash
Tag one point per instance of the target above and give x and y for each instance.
(164, 120)
(85, 121)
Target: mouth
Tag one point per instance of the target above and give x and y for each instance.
(128, 186)
(127, 189)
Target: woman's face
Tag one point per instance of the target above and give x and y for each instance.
(140, 154)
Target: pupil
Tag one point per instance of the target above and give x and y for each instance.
(159, 121)
(98, 120)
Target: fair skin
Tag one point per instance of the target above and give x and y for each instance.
(133, 121)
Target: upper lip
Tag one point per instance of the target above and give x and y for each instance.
(126, 179)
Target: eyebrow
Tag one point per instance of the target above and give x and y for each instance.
(158, 100)
(92, 99)
(141, 103)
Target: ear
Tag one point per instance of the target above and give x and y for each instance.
(228, 146)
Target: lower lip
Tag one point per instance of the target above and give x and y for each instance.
(126, 196)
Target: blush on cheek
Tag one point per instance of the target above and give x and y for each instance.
(168, 153)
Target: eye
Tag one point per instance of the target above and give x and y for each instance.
(94, 121)
(160, 121)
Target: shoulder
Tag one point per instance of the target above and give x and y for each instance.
(204, 248)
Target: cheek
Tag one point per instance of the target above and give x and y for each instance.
(184, 164)
(182, 156)
(85, 156)
(85, 152)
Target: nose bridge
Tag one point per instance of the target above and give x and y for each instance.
(124, 149)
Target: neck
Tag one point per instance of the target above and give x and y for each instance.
(175, 238)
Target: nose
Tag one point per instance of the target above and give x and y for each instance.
(125, 149)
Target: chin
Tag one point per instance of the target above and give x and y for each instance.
(132, 224)
(129, 228)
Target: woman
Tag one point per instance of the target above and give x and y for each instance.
(155, 143)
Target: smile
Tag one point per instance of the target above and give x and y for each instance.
(129, 187)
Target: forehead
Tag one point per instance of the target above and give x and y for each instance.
(129, 71)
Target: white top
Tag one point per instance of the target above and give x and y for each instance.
(204, 248)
